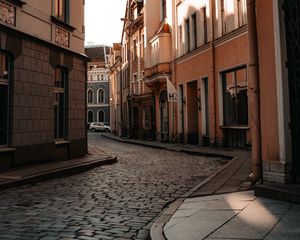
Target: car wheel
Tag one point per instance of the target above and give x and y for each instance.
(106, 130)
(93, 129)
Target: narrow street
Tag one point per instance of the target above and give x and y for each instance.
(119, 201)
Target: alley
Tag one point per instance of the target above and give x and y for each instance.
(119, 201)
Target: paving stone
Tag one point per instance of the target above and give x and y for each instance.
(118, 201)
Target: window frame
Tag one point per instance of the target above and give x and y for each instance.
(234, 85)
(88, 96)
(58, 91)
(7, 83)
(101, 90)
(61, 10)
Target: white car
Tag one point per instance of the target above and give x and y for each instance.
(98, 126)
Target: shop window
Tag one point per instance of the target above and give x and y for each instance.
(60, 103)
(235, 98)
(4, 99)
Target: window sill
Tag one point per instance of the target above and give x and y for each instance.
(6, 149)
(62, 24)
(242, 127)
(61, 142)
(19, 3)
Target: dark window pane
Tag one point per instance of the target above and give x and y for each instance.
(235, 99)
(3, 114)
(61, 117)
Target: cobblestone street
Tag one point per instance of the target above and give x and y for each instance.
(118, 201)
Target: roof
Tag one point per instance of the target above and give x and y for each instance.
(97, 53)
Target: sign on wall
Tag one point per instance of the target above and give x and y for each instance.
(62, 37)
(172, 92)
(7, 14)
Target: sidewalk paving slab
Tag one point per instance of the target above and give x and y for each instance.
(234, 216)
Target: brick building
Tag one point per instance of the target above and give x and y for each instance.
(98, 84)
(42, 82)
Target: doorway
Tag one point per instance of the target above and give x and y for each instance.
(192, 112)
(292, 25)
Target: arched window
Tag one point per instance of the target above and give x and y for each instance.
(90, 116)
(101, 116)
(101, 96)
(90, 96)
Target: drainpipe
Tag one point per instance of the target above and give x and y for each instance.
(212, 59)
(253, 91)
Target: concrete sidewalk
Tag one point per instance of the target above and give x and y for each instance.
(44, 171)
(234, 216)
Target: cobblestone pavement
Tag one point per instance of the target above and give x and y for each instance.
(119, 201)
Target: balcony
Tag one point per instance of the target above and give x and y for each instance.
(160, 56)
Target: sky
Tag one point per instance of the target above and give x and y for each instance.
(102, 21)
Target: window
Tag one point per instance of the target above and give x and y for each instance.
(101, 96)
(146, 118)
(205, 37)
(242, 12)
(223, 17)
(187, 35)
(90, 96)
(235, 97)
(194, 25)
(180, 40)
(142, 46)
(98, 77)
(4, 98)
(163, 9)
(134, 50)
(101, 116)
(90, 116)
(60, 103)
(61, 10)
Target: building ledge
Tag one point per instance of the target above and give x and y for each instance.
(61, 142)
(62, 24)
(7, 149)
(19, 3)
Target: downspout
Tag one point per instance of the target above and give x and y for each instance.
(253, 91)
(212, 47)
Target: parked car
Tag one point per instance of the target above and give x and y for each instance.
(98, 126)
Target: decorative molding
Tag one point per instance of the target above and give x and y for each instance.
(7, 14)
(62, 37)
(62, 24)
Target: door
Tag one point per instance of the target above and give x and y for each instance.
(292, 24)
(164, 116)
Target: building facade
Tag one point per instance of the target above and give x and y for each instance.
(210, 66)
(98, 109)
(115, 89)
(278, 81)
(138, 104)
(42, 82)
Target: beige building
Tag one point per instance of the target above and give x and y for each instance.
(115, 89)
(42, 84)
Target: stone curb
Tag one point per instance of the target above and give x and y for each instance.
(183, 150)
(59, 172)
